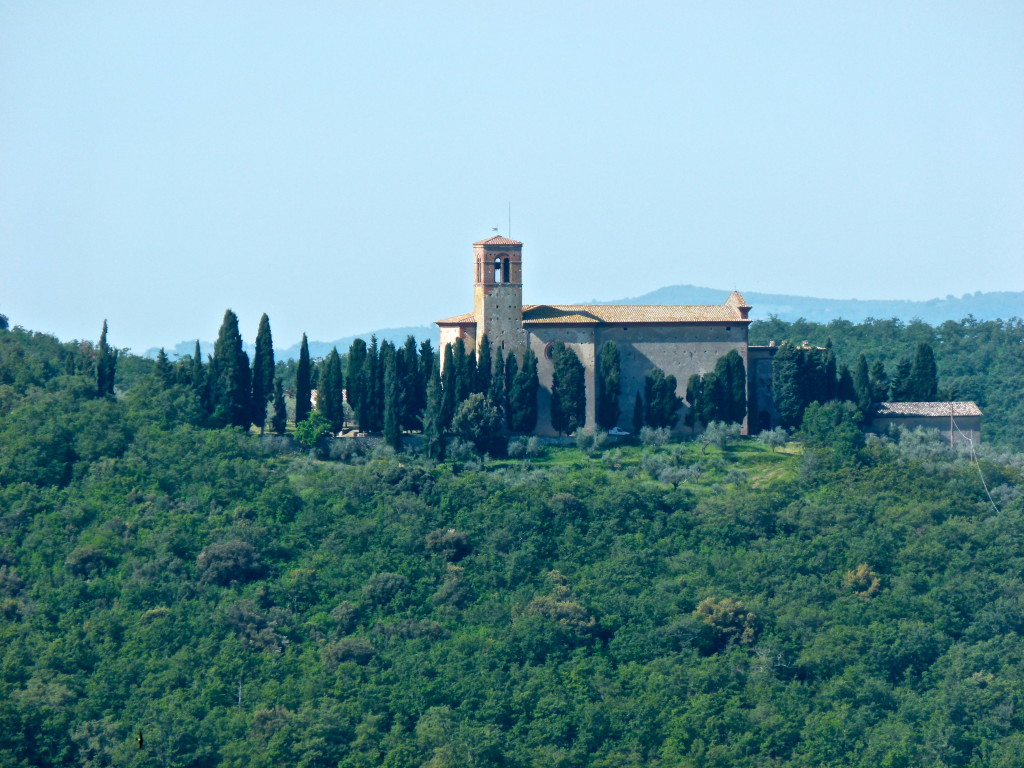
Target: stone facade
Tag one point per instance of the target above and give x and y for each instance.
(958, 422)
(681, 340)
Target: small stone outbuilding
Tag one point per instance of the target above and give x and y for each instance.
(958, 422)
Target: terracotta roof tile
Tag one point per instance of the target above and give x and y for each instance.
(497, 240)
(618, 314)
(466, 318)
(961, 408)
(736, 299)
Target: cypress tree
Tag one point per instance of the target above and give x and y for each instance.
(198, 379)
(484, 365)
(661, 400)
(924, 376)
(472, 374)
(496, 392)
(392, 416)
(789, 402)
(830, 374)
(609, 385)
(106, 365)
(230, 377)
(372, 416)
(730, 390)
(846, 390)
(638, 413)
(433, 425)
(902, 387)
(694, 396)
(568, 396)
(426, 369)
(862, 386)
(522, 396)
(354, 373)
(511, 371)
(279, 421)
(262, 372)
(412, 398)
(449, 389)
(162, 371)
(879, 382)
(462, 381)
(330, 394)
(712, 405)
(303, 384)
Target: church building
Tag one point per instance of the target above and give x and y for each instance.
(681, 340)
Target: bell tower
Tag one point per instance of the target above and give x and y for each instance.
(498, 292)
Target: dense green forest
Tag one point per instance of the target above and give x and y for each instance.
(977, 360)
(233, 600)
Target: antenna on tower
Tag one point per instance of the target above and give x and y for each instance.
(510, 219)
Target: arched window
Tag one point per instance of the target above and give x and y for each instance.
(506, 274)
(497, 270)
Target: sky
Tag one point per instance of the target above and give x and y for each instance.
(330, 163)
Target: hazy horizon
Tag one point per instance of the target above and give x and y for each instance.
(331, 166)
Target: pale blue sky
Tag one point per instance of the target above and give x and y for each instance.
(330, 163)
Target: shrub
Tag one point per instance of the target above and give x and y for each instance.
(729, 621)
(591, 441)
(227, 561)
(450, 544)
(353, 649)
(654, 437)
(382, 588)
(719, 434)
(344, 616)
(773, 438)
(453, 590)
(347, 450)
(311, 431)
(862, 581)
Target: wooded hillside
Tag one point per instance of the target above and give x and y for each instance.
(239, 603)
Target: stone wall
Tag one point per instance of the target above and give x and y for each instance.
(580, 339)
(969, 427)
(679, 349)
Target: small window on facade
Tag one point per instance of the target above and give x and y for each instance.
(506, 274)
(547, 350)
(497, 270)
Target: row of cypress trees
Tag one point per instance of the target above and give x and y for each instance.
(471, 390)
(720, 394)
(805, 375)
(387, 389)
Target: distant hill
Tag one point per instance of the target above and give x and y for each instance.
(316, 348)
(983, 306)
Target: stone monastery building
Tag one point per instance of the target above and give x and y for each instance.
(681, 340)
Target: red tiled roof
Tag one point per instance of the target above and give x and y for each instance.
(736, 299)
(497, 240)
